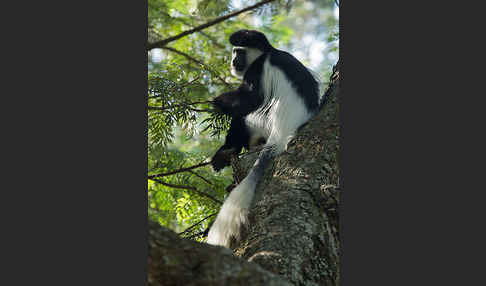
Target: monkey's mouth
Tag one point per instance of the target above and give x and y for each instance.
(239, 67)
(237, 73)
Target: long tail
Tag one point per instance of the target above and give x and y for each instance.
(234, 212)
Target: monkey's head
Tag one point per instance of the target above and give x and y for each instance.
(248, 45)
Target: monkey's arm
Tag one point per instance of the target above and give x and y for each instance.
(237, 138)
(239, 102)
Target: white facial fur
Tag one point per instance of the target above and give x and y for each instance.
(251, 55)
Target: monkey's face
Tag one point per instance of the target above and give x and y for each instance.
(242, 58)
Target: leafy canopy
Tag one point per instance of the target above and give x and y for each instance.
(185, 74)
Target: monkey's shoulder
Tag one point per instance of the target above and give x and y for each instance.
(255, 70)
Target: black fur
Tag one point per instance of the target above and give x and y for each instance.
(245, 106)
(237, 138)
(238, 104)
(249, 96)
(295, 71)
(300, 77)
(240, 60)
(251, 39)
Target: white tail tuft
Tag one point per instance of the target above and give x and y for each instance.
(233, 213)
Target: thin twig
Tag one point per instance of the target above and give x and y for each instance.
(179, 170)
(185, 105)
(176, 89)
(197, 234)
(215, 42)
(189, 108)
(212, 40)
(201, 177)
(198, 62)
(255, 150)
(164, 42)
(192, 226)
(200, 110)
(189, 188)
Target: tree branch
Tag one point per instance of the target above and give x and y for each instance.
(160, 44)
(190, 188)
(183, 105)
(297, 201)
(187, 107)
(198, 234)
(176, 261)
(192, 226)
(201, 177)
(215, 42)
(179, 170)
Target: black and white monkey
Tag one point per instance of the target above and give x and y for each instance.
(277, 96)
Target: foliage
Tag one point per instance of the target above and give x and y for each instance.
(183, 77)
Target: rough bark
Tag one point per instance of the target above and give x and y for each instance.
(293, 231)
(293, 228)
(173, 261)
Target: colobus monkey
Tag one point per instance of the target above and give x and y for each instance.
(277, 96)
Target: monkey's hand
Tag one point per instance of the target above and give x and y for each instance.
(221, 159)
(226, 103)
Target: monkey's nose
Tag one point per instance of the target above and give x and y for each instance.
(238, 66)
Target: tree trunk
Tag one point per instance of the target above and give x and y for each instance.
(173, 261)
(293, 229)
